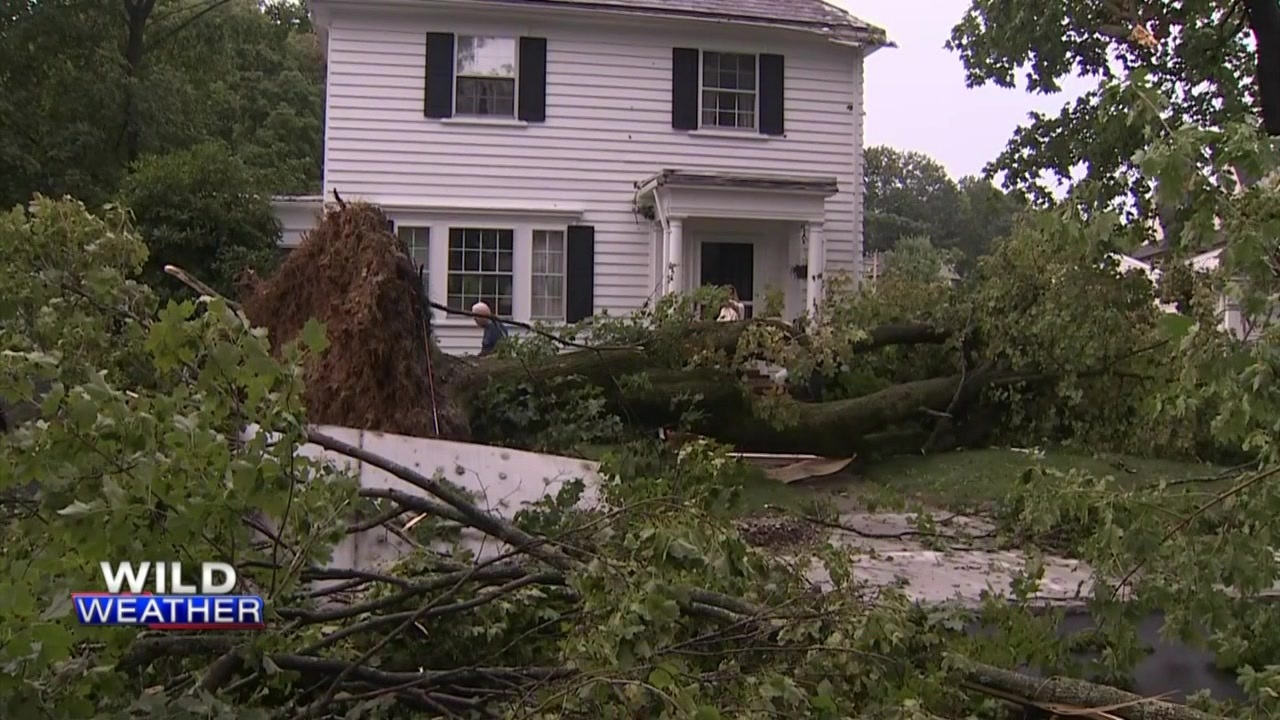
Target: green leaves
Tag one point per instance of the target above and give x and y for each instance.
(1201, 71)
(1175, 326)
(313, 336)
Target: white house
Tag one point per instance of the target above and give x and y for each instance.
(1232, 320)
(559, 158)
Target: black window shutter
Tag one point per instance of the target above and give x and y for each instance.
(684, 88)
(439, 90)
(532, 94)
(580, 273)
(771, 95)
(391, 226)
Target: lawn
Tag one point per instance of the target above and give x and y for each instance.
(956, 481)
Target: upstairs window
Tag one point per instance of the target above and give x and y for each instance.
(729, 90)
(485, 73)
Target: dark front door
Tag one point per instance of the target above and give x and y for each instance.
(733, 264)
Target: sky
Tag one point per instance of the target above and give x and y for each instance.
(916, 98)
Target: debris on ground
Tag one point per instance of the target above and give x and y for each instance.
(777, 531)
(379, 371)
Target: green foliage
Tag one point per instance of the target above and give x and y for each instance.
(553, 415)
(915, 259)
(1202, 63)
(249, 76)
(909, 194)
(198, 209)
(135, 454)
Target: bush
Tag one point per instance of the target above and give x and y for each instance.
(201, 209)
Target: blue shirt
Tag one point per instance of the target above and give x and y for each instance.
(494, 332)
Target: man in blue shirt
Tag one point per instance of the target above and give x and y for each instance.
(494, 332)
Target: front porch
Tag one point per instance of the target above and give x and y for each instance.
(762, 235)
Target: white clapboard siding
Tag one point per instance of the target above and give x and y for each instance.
(608, 98)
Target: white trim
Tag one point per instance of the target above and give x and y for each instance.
(743, 134)
(471, 206)
(743, 203)
(489, 120)
(440, 223)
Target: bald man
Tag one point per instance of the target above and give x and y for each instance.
(494, 332)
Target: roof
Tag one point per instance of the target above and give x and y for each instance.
(812, 15)
(1145, 252)
(685, 178)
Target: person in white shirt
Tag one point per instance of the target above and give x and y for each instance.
(732, 310)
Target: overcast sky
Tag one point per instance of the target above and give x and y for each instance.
(916, 98)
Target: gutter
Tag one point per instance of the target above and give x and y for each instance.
(849, 35)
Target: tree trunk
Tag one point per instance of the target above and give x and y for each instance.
(137, 12)
(1264, 22)
(730, 412)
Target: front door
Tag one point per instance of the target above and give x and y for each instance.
(733, 264)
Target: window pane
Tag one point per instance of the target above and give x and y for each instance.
(480, 268)
(548, 276)
(486, 56)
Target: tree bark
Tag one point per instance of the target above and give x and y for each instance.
(731, 413)
(1076, 693)
(1264, 22)
(137, 12)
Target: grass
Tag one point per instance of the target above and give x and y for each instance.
(951, 481)
(976, 477)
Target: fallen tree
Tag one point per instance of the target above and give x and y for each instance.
(383, 371)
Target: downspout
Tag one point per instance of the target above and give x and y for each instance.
(660, 213)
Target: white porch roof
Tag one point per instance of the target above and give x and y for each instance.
(719, 194)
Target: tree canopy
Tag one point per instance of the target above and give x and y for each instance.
(78, 111)
(909, 194)
(1200, 58)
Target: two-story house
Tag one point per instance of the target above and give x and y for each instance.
(560, 158)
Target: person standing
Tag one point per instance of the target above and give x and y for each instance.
(732, 310)
(494, 331)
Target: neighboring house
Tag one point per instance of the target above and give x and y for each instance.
(559, 158)
(1207, 261)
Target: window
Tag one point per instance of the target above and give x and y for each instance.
(485, 76)
(728, 90)
(548, 275)
(480, 261)
(418, 241)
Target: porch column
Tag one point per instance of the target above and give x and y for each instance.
(675, 253)
(817, 263)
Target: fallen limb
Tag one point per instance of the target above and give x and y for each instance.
(1075, 693)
